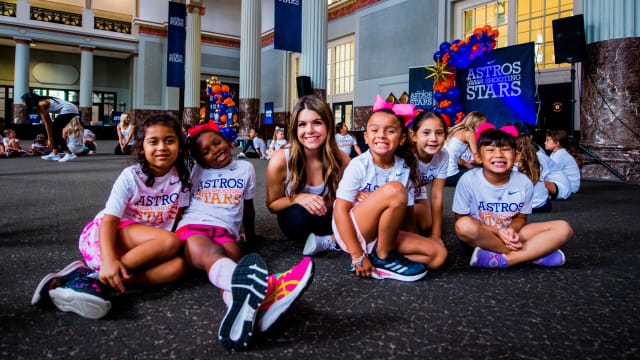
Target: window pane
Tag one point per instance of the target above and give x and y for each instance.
(468, 21)
(566, 5)
(549, 54)
(551, 7)
(523, 32)
(60, 94)
(536, 8)
(566, 14)
(536, 30)
(523, 9)
(97, 97)
(492, 15)
(502, 12)
(502, 37)
(480, 16)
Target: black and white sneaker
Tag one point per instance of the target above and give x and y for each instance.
(57, 279)
(248, 289)
(396, 267)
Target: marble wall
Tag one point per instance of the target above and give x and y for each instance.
(610, 108)
(248, 116)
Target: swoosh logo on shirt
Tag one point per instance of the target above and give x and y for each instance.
(514, 192)
(173, 182)
(399, 174)
(431, 169)
(232, 169)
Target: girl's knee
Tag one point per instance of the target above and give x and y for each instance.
(396, 193)
(170, 243)
(466, 229)
(439, 258)
(175, 268)
(563, 227)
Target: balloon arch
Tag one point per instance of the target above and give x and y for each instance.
(222, 108)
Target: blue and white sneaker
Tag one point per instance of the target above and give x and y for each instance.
(397, 267)
(84, 295)
(57, 279)
(248, 289)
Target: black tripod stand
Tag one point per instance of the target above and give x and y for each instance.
(571, 133)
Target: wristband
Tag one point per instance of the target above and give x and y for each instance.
(358, 261)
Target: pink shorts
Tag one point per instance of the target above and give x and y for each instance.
(89, 242)
(366, 246)
(217, 234)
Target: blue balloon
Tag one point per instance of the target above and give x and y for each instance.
(465, 49)
(444, 46)
(453, 94)
(222, 107)
(456, 41)
(449, 110)
(227, 132)
(458, 108)
(462, 62)
(439, 96)
(437, 55)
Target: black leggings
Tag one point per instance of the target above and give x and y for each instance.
(56, 130)
(297, 223)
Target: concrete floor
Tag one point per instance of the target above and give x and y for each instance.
(587, 309)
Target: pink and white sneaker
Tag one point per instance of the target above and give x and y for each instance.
(282, 290)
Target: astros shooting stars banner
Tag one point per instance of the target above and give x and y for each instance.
(287, 33)
(500, 84)
(176, 44)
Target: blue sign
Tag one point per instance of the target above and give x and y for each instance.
(115, 117)
(501, 85)
(176, 44)
(421, 88)
(287, 32)
(268, 113)
(34, 118)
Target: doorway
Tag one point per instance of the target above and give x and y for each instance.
(343, 111)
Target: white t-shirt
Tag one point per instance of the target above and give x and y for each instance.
(75, 144)
(345, 143)
(61, 107)
(540, 192)
(217, 196)
(493, 205)
(569, 167)
(5, 141)
(552, 172)
(156, 206)
(435, 169)
(88, 134)
(125, 134)
(362, 177)
(455, 148)
(259, 144)
(276, 145)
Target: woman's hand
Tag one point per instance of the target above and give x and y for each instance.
(366, 269)
(112, 272)
(312, 203)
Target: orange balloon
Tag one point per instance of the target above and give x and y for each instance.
(225, 88)
(487, 28)
(227, 101)
(231, 103)
(215, 89)
(496, 33)
(235, 117)
(223, 118)
(218, 102)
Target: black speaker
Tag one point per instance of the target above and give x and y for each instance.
(568, 39)
(304, 86)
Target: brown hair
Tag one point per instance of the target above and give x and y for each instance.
(331, 163)
(562, 138)
(528, 164)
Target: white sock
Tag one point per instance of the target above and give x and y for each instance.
(227, 298)
(221, 272)
(325, 239)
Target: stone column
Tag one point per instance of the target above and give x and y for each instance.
(86, 84)
(313, 62)
(191, 114)
(610, 125)
(134, 85)
(21, 80)
(250, 47)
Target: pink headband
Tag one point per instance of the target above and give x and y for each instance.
(406, 111)
(509, 129)
(211, 125)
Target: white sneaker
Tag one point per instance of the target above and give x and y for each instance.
(91, 152)
(51, 157)
(316, 244)
(68, 157)
(241, 156)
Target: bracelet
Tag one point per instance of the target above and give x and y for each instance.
(358, 261)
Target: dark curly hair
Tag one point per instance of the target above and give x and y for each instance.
(194, 151)
(182, 162)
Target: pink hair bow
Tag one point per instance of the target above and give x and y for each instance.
(406, 111)
(211, 125)
(509, 129)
